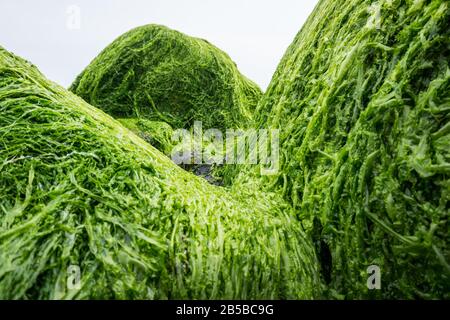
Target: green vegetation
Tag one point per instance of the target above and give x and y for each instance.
(362, 101)
(78, 188)
(161, 74)
(157, 133)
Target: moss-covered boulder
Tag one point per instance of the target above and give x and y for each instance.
(161, 74)
(80, 192)
(362, 101)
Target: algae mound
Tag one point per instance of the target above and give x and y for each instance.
(362, 101)
(161, 74)
(157, 133)
(78, 188)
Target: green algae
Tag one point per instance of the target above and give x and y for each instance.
(79, 189)
(161, 74)
(362, 101)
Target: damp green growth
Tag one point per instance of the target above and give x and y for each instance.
(161, 74)
(79, 191)
(157, 133)
(362, 101)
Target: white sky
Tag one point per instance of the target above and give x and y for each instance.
(255, 33)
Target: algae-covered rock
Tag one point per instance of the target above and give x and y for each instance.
(362, 101)
(157, 133)
(90, 210)
(158, 73)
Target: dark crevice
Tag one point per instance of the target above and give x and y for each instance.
(323, 251)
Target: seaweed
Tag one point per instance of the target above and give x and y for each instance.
(362, 101)
(157, 73)
(80, 190)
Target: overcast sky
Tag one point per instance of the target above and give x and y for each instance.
(255, 33)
